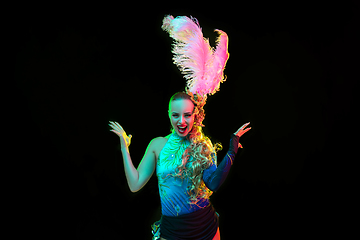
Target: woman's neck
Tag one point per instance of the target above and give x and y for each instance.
(181, 137)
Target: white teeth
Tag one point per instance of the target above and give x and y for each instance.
(182, 129)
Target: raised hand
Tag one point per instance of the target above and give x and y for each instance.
(125, 140)
(242, 130)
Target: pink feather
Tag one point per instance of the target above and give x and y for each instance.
(201, 65)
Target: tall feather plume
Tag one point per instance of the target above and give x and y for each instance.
(201, 65)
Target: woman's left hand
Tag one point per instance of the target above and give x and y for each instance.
(241, 131)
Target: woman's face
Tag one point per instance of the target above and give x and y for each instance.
(181, 116)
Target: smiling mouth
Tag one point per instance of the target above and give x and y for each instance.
(182, 129)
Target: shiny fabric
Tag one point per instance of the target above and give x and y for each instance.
(201, 225)
(155, 230)
(214, 176)
(179, 218)
(173, 192)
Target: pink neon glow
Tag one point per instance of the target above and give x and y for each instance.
(201, 64)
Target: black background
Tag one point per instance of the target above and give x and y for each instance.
(291, 73)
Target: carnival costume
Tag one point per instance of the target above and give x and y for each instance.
(182, 217)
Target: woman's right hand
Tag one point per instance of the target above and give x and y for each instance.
(125, 140)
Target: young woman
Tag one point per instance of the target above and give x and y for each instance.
(185, 162)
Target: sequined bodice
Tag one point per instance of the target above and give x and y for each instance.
(174, 196)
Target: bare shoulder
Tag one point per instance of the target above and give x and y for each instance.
(159, 141)
(158, 144)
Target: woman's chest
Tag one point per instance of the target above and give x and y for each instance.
(159, 148)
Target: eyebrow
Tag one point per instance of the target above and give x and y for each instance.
(184, 112)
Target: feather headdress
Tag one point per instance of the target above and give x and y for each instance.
(202, 65)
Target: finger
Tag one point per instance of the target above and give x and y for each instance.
(238, 130)
(240, 134)
(112, 124)
(116, 127)
(243, 131)
(246, 130)
(243, 126)
(115, 132)
(240, 146)
(117, 124)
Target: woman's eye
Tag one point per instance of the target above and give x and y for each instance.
(187, 115)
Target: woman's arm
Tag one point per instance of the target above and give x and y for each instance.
(214, 176)
(132, 175)
(136, 178)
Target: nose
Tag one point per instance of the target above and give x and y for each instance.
(182, 120)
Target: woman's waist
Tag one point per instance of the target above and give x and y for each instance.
(200, 224)
(175, 208)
